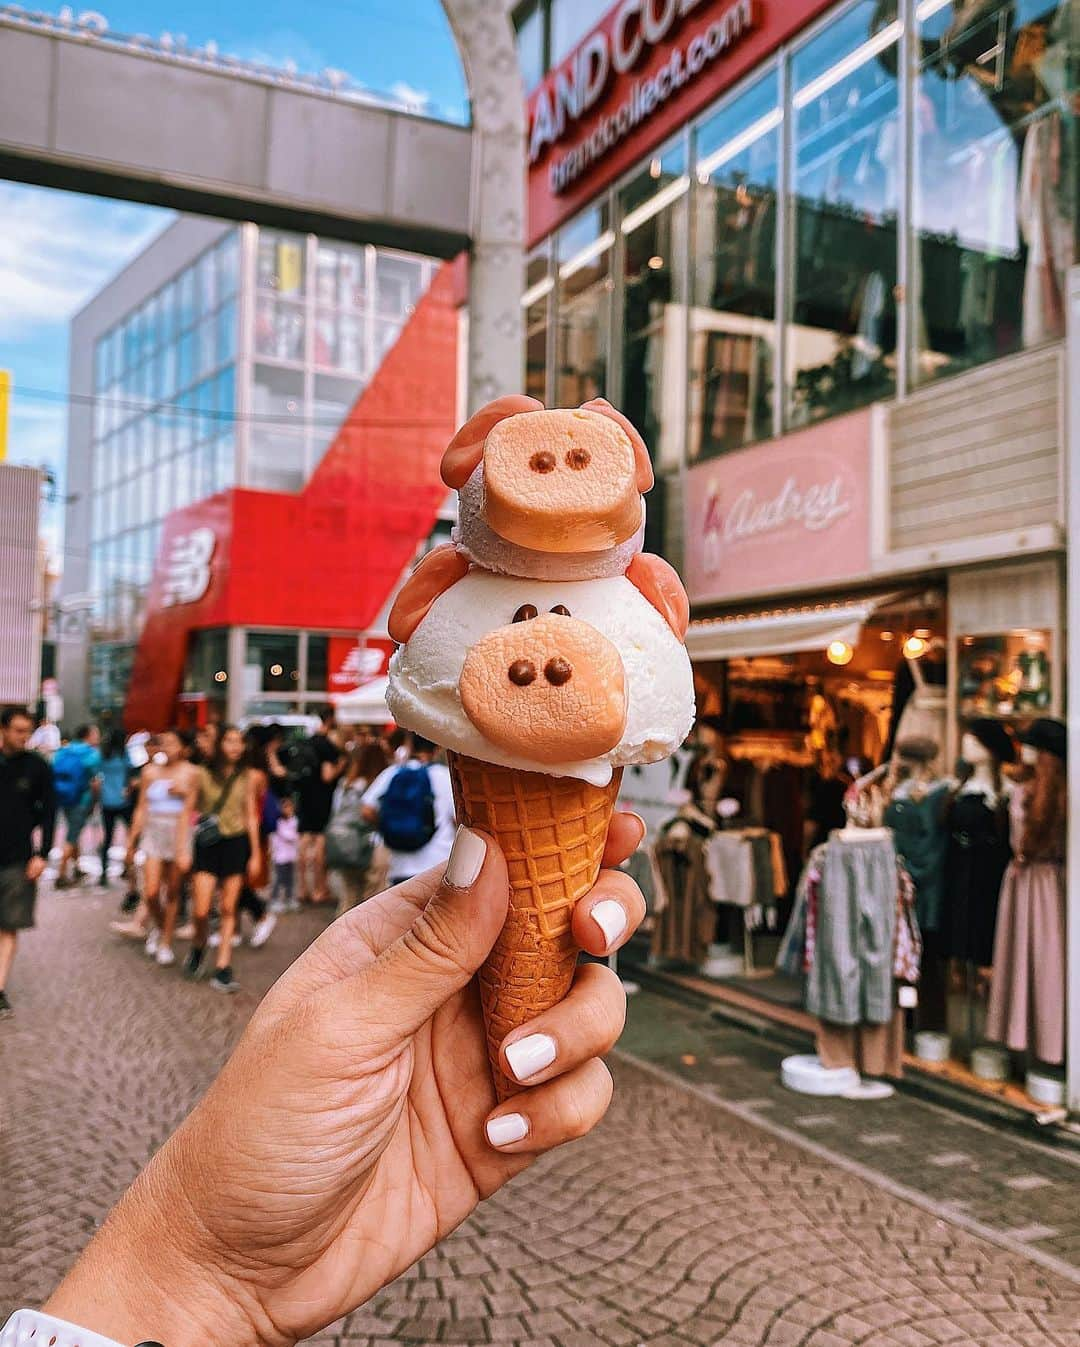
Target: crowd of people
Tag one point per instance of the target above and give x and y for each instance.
(208, 827)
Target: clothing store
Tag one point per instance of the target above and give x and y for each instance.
(817, 252)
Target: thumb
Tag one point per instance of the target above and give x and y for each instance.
(446, 944)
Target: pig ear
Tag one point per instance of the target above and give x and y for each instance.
(442, 567)
(642, 462)
(660, 584)
(466, 449)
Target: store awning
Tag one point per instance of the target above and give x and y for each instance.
(783, 631)
(364, 706)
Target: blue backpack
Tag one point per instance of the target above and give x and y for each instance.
(70, 776)
(407, 810)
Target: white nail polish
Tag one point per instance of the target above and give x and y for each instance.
(610, 916)
(506, 1129)
(466, 859)
(528, 1056)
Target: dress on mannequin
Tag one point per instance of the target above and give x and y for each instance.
(977, 857)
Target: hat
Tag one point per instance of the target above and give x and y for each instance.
(919, 748)
(995, 737)
(1048, 736)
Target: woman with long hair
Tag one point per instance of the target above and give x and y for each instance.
(350, 884)
(226, 850)
(115, 798)
(162, 826)
(257, 757)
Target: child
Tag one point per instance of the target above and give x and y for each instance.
(284, 845)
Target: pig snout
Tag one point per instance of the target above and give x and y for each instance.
(549, 687)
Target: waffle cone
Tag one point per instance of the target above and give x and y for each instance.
(552, 830)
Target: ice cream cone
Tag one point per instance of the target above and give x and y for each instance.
(552, 830)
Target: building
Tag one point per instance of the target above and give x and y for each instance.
(818, 252)
(22, 584)
(234, 393)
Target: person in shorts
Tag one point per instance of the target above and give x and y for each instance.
(228, 798)
(317, 764)
(26, 806)
(76, 777)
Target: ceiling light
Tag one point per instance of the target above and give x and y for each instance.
(915, 647)
(220, 676)
(276, 670)
(655, 262)
(655, 168)
(840, 652)
(888, 636)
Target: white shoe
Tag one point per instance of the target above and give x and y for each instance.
(153, 940)
(186, 932)
(264, 929)
(214, 940)
(130, 930)
(165, 957)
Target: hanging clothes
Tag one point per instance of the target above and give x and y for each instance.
(978, 853)
(1027, 994)
(871, 1049)
(922, 841)
(686, 926)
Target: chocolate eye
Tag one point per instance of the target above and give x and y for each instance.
(561, 609)
(526, 613)
(522, 672)
(542, 461)
(557, 671)
(578, 459)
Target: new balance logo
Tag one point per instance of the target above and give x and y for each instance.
(187, 569)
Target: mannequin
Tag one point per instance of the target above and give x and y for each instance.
(978, 849)
(1027, 1002)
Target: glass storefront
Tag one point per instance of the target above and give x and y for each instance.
(846, 233)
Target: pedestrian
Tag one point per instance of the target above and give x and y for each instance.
(76, 771)
(226, 850)
(284, 845)
(412, 805)
(26, 806)
(355, 1124)
(45, 739)
(266, 802)
(161, 826)
(356, 859)
(317, 764)
(116, 794)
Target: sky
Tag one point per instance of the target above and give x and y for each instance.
(57, 249)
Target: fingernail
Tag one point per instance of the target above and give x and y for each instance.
(610, 916)
(529, 1055)
(466, 859)
(644, 825)
(506, 1129)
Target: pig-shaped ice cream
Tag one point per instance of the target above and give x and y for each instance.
(545, 652)
(560, 649)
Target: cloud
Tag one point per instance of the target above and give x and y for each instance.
(57, 249)
(280, 47)
(416, 100)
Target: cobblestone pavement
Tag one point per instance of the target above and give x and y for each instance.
(683, 1220)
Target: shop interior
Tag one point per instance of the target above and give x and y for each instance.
(845, 845)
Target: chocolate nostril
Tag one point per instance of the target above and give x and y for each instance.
(578, 459)
(561, 610)
(557, 671)
(522, 672)
(526, 613)
(542, 461)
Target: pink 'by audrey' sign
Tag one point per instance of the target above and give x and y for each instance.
(793, 513)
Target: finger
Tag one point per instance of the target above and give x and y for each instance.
(585, 1024)
(440, 951)
(626, 832)
(552, 1114)
(609, 914)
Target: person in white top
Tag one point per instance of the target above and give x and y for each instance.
(404, 864)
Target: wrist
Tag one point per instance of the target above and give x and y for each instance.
(150, 1273)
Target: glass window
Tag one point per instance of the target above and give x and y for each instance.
(276, 460)
(225, 396)
(186, 310)
(399, 282)
(272, 662)
(207, 338)
(228, 257)
(205, 420)
(206, 270)
(207, 664)
(733, 332)
(653, 221)
(152, 325)
(279, 329)
(841, 338)
(536, 317)
(530, 47)
(185, 368)
(584, 298)
(225, 460)
(130, 340)
(226, 333)
(280, 266)
(994, 196)
(167, 319)
(318, 663)
(278, 394)
(102, 375)
(571, 20)
(341, 277)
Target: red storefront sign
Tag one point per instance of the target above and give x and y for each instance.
(327, 557)
(787, 515)
(353, 664)
(641, 74)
